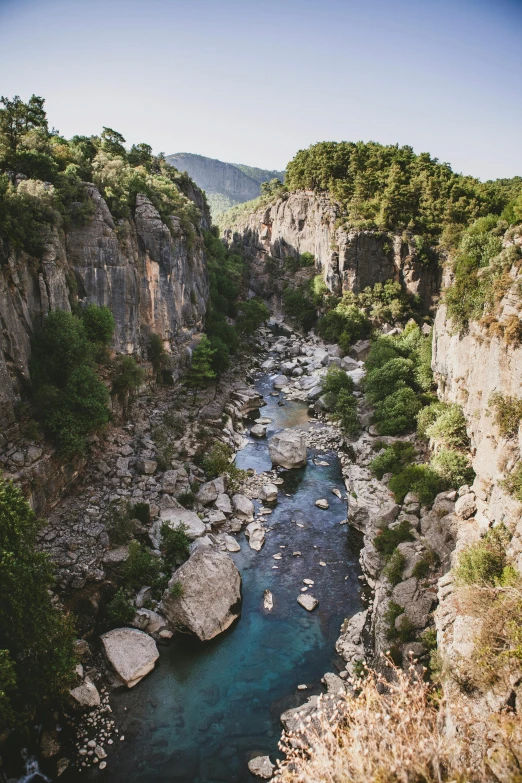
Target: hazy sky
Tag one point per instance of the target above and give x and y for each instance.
(253, 81)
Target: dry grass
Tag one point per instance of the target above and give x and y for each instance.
(388, 733)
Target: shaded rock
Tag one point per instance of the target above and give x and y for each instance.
(307, 601)
(211, 596)
(255, 532)
(210, 491)
(86, 695)
(280, 381)
(242, 506)
(216, 517)
(268, 493)
(175, 517)
(466, 505)
(262, 767)
(258, 431)
(131, 653)
(147, 466)
(288, 449)
(360, 350)
(222, 503)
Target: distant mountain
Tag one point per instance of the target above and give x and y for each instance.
(226, 184)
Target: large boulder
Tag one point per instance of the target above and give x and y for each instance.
(268, 493)
(243, 507)
(175, 517)
(262, 767)
(210, 599)
(255, 532)
(131, 653)
(210, 491)
(288, 449)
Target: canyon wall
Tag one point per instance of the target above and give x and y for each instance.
(152, 277)
(349, 260)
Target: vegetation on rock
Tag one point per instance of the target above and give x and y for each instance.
(36, 638)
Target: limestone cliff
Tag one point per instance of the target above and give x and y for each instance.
(349, 260)
(152, 277)
(469, 368)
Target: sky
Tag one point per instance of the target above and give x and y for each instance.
(254, 81)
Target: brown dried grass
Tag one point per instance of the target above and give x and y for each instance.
(390, 732)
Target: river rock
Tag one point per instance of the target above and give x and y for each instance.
(322, 503)
(86, 695)
(288, 449)
(280, 381)
(231, 544)
(175, 517)
(243, 507)
(268, 493)
(258, 431)
(149, 621)
(262, 767)
(131, 653)
(222, 503)
(308, 602)
(268, 600)
(255, 532)
(210, 491)
(211, 598)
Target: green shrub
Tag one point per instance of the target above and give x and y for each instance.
(200, 372)
(176, 590)
(453, 467)
(220, 361)
(251, 315)
(422, 480)
(508, 413)
(345, 324)
(345, 411)
(299, 308)
(513, 482)
(127, 377)
(175, 544)
(70, 398)
(187, 499)
(395, 567)
(120, 611)
(483, 562)
(382, 350)
(406, 632)
(383, 381)
(141, 512)
(156, 353)
(119, 524)
(36, 638)
(389, 539)
(335, 380)
(217, 461)
(422, 567)
(396, 413)
(393, 459)
(449, 428)
(141, 567)
(98, 323)
(427, 416)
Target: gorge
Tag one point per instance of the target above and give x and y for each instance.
(336, 375)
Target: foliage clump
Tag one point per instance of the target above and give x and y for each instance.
(338, 389)
(36, 637)
(388, 539)
(483, 562)
(393, 459)
(508, 413)
(70, 398)
(175, 544)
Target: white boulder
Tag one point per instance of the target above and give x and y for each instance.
(288, 449)
(131, 653)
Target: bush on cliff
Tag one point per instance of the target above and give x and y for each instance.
(299, 307)
(36, 651)
(69, 397)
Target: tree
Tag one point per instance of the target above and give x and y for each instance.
(98, 323)
(140, 155)
(252, 314)
(127, 378)
(221, 359)
(112, 142)
(17, 118)
(36, 650)
(200, 372)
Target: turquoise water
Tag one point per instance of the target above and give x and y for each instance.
(207, 708)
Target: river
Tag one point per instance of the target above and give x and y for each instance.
(208, 707)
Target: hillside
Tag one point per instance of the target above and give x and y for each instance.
(226, 184)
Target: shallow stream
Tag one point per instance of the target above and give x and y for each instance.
(208, 707)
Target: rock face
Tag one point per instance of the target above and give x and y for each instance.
(349, 260)
(132, 654)
(211, 598)
(147, 273)
(288, 449)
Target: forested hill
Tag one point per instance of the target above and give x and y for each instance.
(225, 184)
